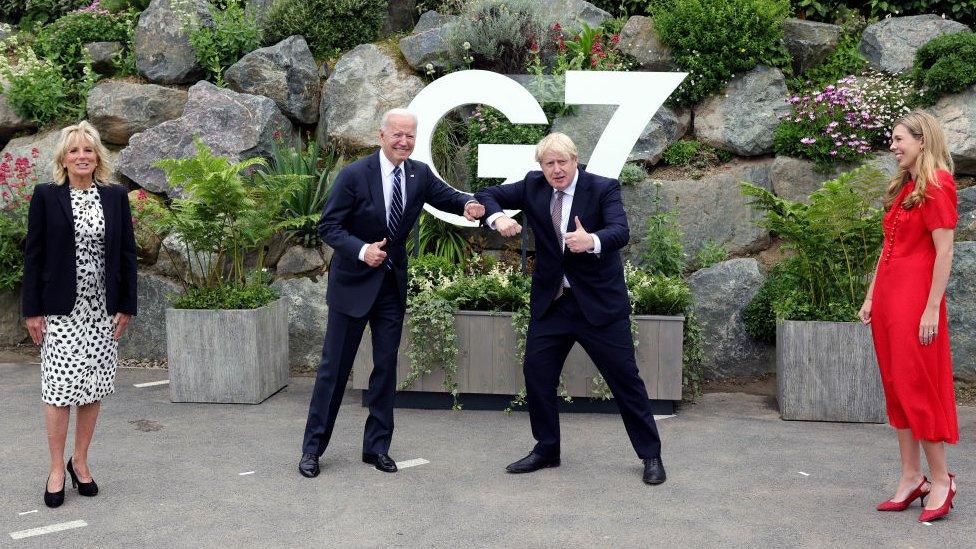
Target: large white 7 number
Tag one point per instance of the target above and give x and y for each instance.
(638, 94)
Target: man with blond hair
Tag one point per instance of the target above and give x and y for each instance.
(578, 296)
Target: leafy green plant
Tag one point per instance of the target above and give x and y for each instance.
(698, 34)
(11, 10)
(439, 238)
(44, 11)
(497, 35)
(36, 88)
(313, 170)
(963, 11)
(663, 253)
(632, 173)
(623, 8)
(845, 60)
(709, 254)
(62, 42)
(235, 32)
(120, 6)
(945, 65)
(835, 241)
(681, 153)
(656, 294)
(759, 316)
(329, 26)
(221, 217)
(229, 296)
(693, 358)
(488, 125)
(17, 179)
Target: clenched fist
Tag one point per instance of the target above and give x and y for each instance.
(473, 210)
(507, 226)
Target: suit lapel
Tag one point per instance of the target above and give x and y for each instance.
(581, 197)
(376, 188)
(64, 198)
(412, 184)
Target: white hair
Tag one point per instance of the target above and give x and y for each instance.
(385, 122)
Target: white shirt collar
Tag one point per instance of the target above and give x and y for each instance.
(386, 166)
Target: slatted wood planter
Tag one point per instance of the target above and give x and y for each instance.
(827, 371)
(487, 362)
(227, 356)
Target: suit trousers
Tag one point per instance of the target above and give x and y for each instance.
(611, 347)
(342, 337)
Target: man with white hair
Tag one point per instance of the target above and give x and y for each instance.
(578, 296)
(367, 218)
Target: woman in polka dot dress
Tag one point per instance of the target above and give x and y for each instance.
(79, 292)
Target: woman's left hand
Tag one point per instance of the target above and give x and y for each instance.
(928, 327)
(121, 321)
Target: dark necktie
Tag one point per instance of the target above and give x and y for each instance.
(396, 212)
(557, 225)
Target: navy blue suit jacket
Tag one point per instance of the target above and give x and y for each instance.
(355, 214)
(597, 279)
(49, 285)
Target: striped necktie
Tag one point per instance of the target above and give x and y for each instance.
(396, 205)
(557, 225)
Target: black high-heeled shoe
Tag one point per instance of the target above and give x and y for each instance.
(88, 489)
(53, 499)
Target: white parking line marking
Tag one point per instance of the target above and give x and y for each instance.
(411, 463)
(51, 528)
(27, 512)
(804, 474)
(152, 383)
(659, 418)
(245, 473)
(927, 523)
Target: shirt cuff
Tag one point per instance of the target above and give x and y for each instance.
(491, 220)
(596, 244)
(362, 253)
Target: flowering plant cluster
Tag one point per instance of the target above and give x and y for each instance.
(846, 120)
(589, 49)
(18, 176)
(95, 8)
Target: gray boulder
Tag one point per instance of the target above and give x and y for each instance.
(120, 109)
(890, 44)
(639, 39)
(961, 301)
(12, 327)
(957, 113)
(163, 51)
(11, 122)
(569, 13)
(400, 16)
(809, 42)
(587, 123)
(720, 294)
(743, 118)
(145, 337)
(430, 41)
(44, 142)
(796, 179)
(966, 228)
(103, 55)
(364, 84)
(285, 72)
(235, 125)
(711, 209)
(298, 260)
(308, 314)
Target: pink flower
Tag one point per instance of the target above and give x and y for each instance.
(808, 140)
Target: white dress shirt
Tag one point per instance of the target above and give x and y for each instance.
(386, 170)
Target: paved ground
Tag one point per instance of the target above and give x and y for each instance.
(170, 477)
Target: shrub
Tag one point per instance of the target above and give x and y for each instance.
(846, 120)
(62, 42)
(589, 49)
(681, 153)
(43, 11)
(329, 26)
(439, 238)
(945, 65)
(489, 125)
(836, 239)
(709, 254)
(759, 315)
(845, 60)
(235, 32)
(228, 296)
(17, 179)
(497, 35)
(663, 253)
(121, 6)
(36, 88)
(963, 11)
(11, 10)
(623, 8)
(632, 173)
(657, 294)
(698, 34)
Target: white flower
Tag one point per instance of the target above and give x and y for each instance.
(466, 45)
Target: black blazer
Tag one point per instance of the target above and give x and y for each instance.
(355, 214)
(597, 279)
(49, 285)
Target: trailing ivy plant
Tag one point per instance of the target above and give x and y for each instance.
(433, 341)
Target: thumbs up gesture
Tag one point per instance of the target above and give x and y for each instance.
(579, 241)
(375, 255)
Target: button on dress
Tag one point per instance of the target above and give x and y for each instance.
(917, 379)
(79, 355)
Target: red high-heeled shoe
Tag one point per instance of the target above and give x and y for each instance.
(928, 515)
(903, 504)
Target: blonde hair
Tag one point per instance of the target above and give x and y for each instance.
(934, 156)
(81, 131)
(556, 142)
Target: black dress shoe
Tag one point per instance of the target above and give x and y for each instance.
(88, 489)
(654, 471)
(532, 462)
(53, 499)
(309, 465)
(383, 462)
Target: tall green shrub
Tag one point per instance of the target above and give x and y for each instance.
(663, 253)
(329, 26)
(62, 42)
(945, 65)
(234, 33)
(497, 35)
(713, 40)
(43, 11)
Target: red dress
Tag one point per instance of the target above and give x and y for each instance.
(917, 378)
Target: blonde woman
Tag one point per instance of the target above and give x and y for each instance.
(906, 308)
(79, 292)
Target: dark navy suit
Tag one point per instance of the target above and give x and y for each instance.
(595, 311)
(354, 215)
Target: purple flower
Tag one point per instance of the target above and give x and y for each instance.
(808, 140)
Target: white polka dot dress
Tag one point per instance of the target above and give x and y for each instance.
(79, 355)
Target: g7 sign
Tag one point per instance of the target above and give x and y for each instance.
(638, 94)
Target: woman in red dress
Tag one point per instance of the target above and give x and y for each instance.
(906, 308)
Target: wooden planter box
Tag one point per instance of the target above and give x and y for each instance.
(12, 327)
(827, 371)
(228, 356)
(487, 362)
